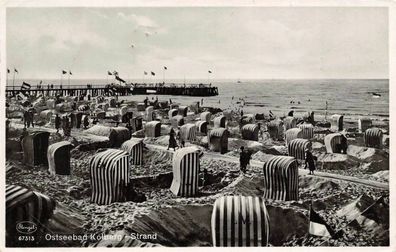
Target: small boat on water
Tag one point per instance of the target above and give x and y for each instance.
(376, 95)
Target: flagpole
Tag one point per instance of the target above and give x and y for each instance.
(163, 75)
(69, 79)
(61, 78)
(13, 81)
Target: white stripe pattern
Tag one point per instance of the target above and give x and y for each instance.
(219, 122)
(292, 134)
(188, 132)
(205, 116)
(58, 156)
(250, 132)
(296, 148)
(202, 127)
(218, 140)
(134, 147)
(240, 221)
(332, 141)
(307, 130)
(373, 138)
(152, 129)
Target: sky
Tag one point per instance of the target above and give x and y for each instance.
(232, 42)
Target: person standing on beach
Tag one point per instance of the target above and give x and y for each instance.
(310, 162)
(57, 123)
(172, 140)
(243, 159)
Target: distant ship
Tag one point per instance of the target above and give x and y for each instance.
(239, 81)
(376, 95)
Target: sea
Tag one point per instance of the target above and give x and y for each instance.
(350, 97)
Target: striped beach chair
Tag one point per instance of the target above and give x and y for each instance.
(240, 221)
(373, 138)
(307, 130)
(296, 148)
(188, 132)
(364, 123)
(334, 141)
(152, 129)
(219, 122)
(134, 147)
(337, 123)
(23, 205)
(250, 132)
(109, 175)
(218, 140)
(202, 127)
(35, 147)
(185, 172)
(58, 156)
(292, 134)
(205, 116)
(281, 178)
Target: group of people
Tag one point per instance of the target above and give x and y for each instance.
(28, 118)
(63, 122)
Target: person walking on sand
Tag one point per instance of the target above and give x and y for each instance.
(310, 162)
(243, 159)
(172, 140)
(57, 123)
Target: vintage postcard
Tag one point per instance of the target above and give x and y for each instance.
(196, 124)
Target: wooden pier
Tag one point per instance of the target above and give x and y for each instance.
(109, 90)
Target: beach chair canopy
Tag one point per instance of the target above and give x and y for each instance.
(149, 113)
(185, 172)
(292, 134)
(307, 130)
(364, 123)
(218, 140)
(58, 156)
(275, 129)
(297, 147)
(334, 141)
(188, 132)
(141, 106)
(109, 175)
(172, 113)
(134, 147)
(35, 147)
(281, 178)
(205, 116)
(202, 127)
(177, 121)
(289, 122)
(373, 138)
(245, 216)
(182, 110)
(219, 122)
(153, 129)
(122, 135)
(250, 132)
(337, 122)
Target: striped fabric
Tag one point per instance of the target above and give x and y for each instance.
(250, 132)
(136, 123)
(296, 148)
(307, 130)
(292, 134)
(205, 116)
(152, 129)
(281, 178)
(185, 172)
(373, 138)
(25, 205)
(109, 174)
(172, 113)
(149, 113)
(364, 124)
(134, 147)
(218, 140)
(202, 127)
(275, 129)
(337, 122)
(188, 132)
(289, 122)
(58, 156)
(240, 221)
(177, 121)
(332, 142)
(219, 122)
(182, 110)
(22, 96)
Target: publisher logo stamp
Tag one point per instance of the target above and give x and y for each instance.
(26, 227)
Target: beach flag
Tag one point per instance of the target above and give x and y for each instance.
(152, 73)
(115, 73)
(70, 72)
(145, 73)
(8, 70)
(119, 79)
(64, 72)
(209, 71)
(109, 73)
(25, 86)
(16, 71)
(317, 226)
(165, 68)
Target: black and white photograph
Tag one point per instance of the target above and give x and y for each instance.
(195, 125)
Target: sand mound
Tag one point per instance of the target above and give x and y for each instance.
(235, 144)
(246, 186)
(374, 159)
(317, 184)
(335, 161)
(261, 156)
(381, 175)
